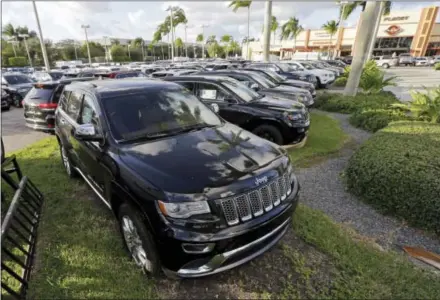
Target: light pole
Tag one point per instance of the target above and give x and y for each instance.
(266, 37)
(203, 42)
(25, 36)
(74, 48)
(40, 33)
(85, 27)
(106, 49)
(170, 9)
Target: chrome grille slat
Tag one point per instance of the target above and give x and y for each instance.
(254, 203)
(243, 207)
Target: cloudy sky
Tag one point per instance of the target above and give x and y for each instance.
(62, 20)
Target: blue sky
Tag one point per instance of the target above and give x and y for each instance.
(63, 19)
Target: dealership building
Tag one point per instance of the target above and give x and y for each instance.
(415, 32)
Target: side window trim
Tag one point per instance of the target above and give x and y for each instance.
(221, 89)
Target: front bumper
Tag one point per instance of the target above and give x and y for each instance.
(233, 246)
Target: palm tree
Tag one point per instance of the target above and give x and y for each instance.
(225, 40)
(274, 26)
(291, 29)
(138, 42)
(115, 42)
(236, 4)
(179, 44)
(331, 27)
(211, 39)
(9, 30)
(233, 47)
(347, 9)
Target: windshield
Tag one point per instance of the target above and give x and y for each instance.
(261, 80)
(241, 90)
(56, 75)
(269, 78)
(307, 66)
(277, 77)
(285, 67)
(154, 113)
(17, 79)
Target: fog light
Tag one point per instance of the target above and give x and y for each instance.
(197, 248)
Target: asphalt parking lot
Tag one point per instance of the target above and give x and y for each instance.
(14, 132)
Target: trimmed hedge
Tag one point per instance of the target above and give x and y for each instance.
(398, 172)
(376, 119)
(341, 81)
(336, 102)
(437, 67)
(18, 61)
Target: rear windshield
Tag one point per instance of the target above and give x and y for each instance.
(40, 94)
(17, 79)
(56, 75)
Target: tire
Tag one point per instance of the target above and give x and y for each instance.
(386, 66)
(65, 160)
(138, 240)
(320, 85)
(269, 132)
(17, 102)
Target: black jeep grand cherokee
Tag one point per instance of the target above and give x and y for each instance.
(194, 195)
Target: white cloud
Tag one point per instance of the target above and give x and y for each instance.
(61, 20)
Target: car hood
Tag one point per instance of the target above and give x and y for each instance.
(320, 72)
(21, 86)
(194, 162)
(279, 104)
(288, 89)
(297, 83)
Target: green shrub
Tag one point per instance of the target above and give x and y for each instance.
(437, 67)
(18, 61)
(336, 102)
(398, 172)
(376, 119)
(341, 81)
(424, 105)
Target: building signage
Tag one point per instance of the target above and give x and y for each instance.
(393, 29)
(392, 19)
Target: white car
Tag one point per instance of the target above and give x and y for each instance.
(386, 61)
(422, 61)
(324, 77)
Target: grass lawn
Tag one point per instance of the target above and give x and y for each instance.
(80, 254)
(325, 138)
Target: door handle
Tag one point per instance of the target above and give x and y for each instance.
(62, 121)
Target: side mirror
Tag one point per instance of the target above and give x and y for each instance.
(231, 100)
(254, 86)
(87, 132)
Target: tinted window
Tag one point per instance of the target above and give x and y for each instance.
(41, 94)
(64, 99)
(88, 114)
(208, 91)
(74, 104)
(241, 90)
(286, 67)
(56, 75)
(17, 79)
(188, 85)
(155, 112)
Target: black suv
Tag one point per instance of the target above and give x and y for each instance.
(194, 195)
(276, 119)
(41, 102)
(279, 79)
(285, 70)
(265, 86)
(17, 86)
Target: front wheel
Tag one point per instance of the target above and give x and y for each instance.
(386, 66)
(138, 240)
(66, 162)
(270, 133)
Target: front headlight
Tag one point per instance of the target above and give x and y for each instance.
(294, 117)
(183, 210)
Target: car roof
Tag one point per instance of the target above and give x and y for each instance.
(197, 77)
(112, 86)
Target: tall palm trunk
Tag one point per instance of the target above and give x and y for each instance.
(163, 54)
(330, 51)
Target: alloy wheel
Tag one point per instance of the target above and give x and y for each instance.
(134, 244)
(266, 135)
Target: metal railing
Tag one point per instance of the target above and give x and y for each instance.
(18, 233)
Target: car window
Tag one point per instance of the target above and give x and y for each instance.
(154, 112)
(88, 114)
(40, 93)
(74, 105)
(241, 90)
(208, 91)
(17, 79)
(188, 85)
(64, 98)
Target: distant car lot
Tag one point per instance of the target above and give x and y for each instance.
(412, 78)
(14, 132)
